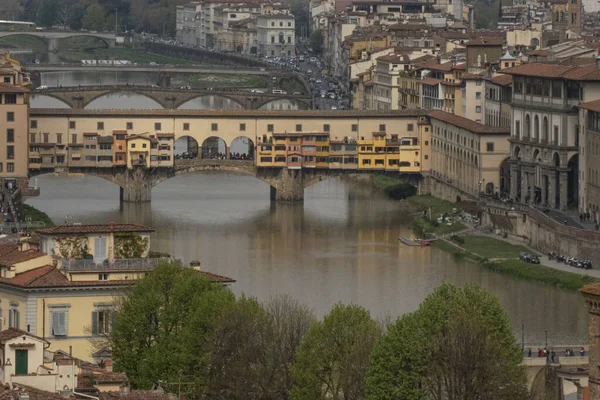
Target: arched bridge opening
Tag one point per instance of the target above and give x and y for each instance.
(97, 100)
(206, 101)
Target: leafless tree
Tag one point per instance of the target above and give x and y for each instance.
(64, 12)
(10, 9)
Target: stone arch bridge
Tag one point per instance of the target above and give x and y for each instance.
(285, 184)
(52, 38)
(171, 98)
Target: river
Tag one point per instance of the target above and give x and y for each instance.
(340, 245)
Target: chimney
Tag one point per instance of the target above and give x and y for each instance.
(598, 62)
(108, 365)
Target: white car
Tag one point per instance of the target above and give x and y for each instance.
(318, 81)
(334, 108)
(43, 87)
(256, 91)
(296, 93)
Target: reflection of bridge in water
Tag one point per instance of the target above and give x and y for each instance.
(51, 39)
(286, 184)
(171, 98)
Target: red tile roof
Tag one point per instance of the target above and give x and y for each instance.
(17, 257)
(502, 80)
(12, 333)
(486, 41)
(431, 81)
(459, 67)
(8, 88)
(467, 124)
(571, 72)
(97, 228)
(472, 76)
(591, 105)
(540, 52)
(592, 288)
(33, 394)
(134, 395)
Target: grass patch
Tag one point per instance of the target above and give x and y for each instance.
(392, 187)
(291, 84)
(438, 206)
(540, 273)
(421, 223)
(226, 80)
(24, 42)
(488, 247)
(33, 214)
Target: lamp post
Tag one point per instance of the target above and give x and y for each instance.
(116, 21)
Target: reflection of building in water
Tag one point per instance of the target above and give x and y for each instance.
(210, 103)
(281, 105)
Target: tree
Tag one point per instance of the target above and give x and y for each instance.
(94, 18)
(10, 9)
(164, 325)
(457, 346)
(316, 41)
(64, 11)
(333, 359)
(47, 13)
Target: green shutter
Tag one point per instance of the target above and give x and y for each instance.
(94, 322)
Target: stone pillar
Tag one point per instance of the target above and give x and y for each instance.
(289, 185)
(532, 188)
(524, 181)
(552, 189)
(514, 171)
(52, 45)
(227, 149)
(564, 179)
(136, 187)
(544, 185)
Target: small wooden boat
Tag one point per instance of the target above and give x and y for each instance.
(415, 242)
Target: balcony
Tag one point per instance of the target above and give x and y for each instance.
(120, 264)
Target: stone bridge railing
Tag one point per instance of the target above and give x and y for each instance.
(203, 162)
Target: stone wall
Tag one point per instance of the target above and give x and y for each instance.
(541, 232)
(443, 190)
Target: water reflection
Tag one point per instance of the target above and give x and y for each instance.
(41, 101)
(211, 103)
(124, 100)
(340, 245)
(283, 104)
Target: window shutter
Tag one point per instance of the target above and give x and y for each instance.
(17, 319)
(94, 322)
(55, 328)
(10, 318)
(62, 316)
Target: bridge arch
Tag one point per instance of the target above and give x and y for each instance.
(102, 94)
(214, 147)
(88, 35)
(39, 38)
(188, 103)
(242, 147)
(187, 146)
(291, 103)
(40, 95)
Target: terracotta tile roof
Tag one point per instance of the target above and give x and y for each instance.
(540, 52)
(8, 248)
(41, 112)
(468, 77)
(486, 41)
(592, 288)
(460, 67)
(434, 65)
(571, 72)
(591, 105)
(217, 278)
(8, 88)
(502, 80)
(33, 393)
(17, 257)
(12, 333)
(466, 123)
(395, 58)
(96, 228)
(135, 395)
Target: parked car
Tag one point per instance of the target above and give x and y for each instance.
(529, 258)
(279, 91)
(256, 91)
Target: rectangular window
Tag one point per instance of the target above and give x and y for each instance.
(354, 127)
(32, 138)
(242, 127)
(10, 99)
(478, 109)
(490, 146)
(10, 167)
(270, 128)
(10, 135)
(478, 83)
(100, 126)
(381, 127)
(477, 95)
(298, 127)
(73, 138)
(58, 322)
(157, 126)
(214, 127)
(103, 276)
(102, 322)
(7, 79)
(33, 124)
(186, 126)
(325, 127)
(46, 137)
(72, 125)
(10, 116)
(10, 152)
(129, 125)
(59, 138)
(14, 318)
(410, 127)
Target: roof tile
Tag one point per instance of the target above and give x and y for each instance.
(467, 124)
(95, 228)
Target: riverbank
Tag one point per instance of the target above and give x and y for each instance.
(500, 256)
(492, 253)
(393, 188)
(35, 215)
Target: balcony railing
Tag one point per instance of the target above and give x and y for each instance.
(120, 264)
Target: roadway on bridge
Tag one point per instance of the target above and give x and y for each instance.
(148, 68)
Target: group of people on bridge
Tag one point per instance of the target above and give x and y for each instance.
(215, 156)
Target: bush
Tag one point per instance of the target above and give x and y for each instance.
(458, 239)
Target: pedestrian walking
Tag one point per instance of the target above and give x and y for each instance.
(529, 353)
(582, 352)
(553, 356)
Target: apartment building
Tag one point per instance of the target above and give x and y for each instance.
(547, 130)
(589, 159)
(276, 35)
(187, 23)
(386, 80)
(472, 93)
(14, 116)
(440, 85)
(497, 102)
(468, 155)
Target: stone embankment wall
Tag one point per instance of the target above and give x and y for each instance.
(443, 190)
(542, 232)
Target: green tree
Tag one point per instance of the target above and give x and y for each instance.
(164, 325)
(47, 13)
(457, 346)
(333, 359)
(316, 41)
(94, 18)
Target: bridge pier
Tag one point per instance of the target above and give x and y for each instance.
(288, 186)
(136, 186)
(52, 45)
